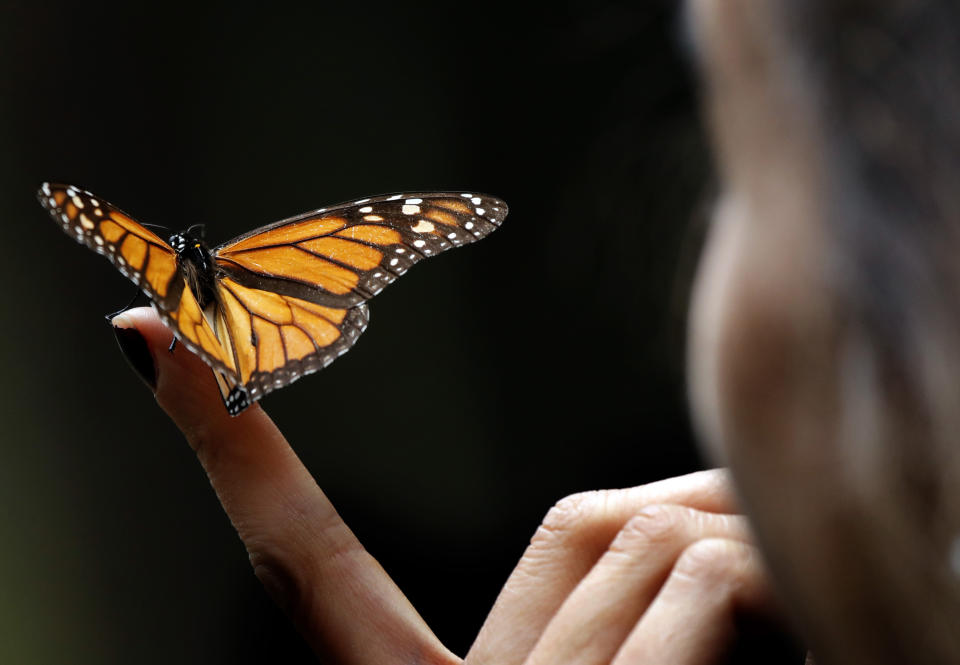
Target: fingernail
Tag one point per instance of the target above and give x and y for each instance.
(136, 351)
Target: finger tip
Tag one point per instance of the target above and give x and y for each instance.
(135, 349)
(183, 383)
(145, 320)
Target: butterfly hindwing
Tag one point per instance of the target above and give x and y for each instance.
(194, 329)
(343, 255)
(276, 339)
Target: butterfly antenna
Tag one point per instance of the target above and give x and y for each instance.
(109, 317)
(157, 226)
(203, 231)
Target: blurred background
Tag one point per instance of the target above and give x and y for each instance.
(555, 354)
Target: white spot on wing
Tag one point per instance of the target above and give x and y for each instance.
(373, 218)
(423, 226)
(418, 243)
(476, 200)
(395, 197)
(366, 209)
(481, 211)
(410, 210)
(414, 202)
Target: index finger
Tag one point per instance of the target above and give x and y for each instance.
(311, 563)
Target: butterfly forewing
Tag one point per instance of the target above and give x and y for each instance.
(345, 254)
(136, 251)
(143, 257)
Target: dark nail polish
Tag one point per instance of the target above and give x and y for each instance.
(135, 349)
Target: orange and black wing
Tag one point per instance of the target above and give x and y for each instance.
(143, 257)
(136, 251)
(289, 296)
(275, 339)
(343, 255)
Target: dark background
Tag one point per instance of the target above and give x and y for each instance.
(493, 380)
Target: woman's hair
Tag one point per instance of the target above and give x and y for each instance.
(886, 80)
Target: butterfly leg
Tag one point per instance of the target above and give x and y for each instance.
(109, 317)
(173, 344)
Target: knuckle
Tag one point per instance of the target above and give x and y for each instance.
(292, 560)
(713, 562)
(654, 525)
(281, 576)
(567, 517)
(570, 511)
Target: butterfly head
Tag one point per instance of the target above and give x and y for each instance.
(191, 251)
(188, 242)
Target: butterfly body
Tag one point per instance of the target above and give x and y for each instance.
(283, 300)
(196, 263)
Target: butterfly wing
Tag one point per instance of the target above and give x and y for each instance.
(289, 296)
(137, 252)
(275, 339)
(144, 258)
(343, 255)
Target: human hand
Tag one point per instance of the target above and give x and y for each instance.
(653, 574)
(658, 574)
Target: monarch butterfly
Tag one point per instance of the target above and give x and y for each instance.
(283, 300)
